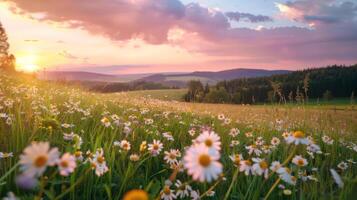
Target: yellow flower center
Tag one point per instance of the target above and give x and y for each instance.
(300, 162)
(155, 146)
(64, 164)
(100, 159)
(167, 190)
(299, 134)
(209, 142)
(41, 161)
(237, 159)
(77, 153)
(172, 156)
(263, 165)
(204, 160)
(248, 162)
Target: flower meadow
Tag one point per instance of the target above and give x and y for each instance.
(61, 142)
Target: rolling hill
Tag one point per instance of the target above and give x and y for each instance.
(167, 79)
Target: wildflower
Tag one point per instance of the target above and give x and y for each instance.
(275, 166)
(285, 175)
(78, 155)
(299, 161)
(136, 195)
(168, 136)
(234, 143)
(6, 155)
(37, 157)
(155, 148)
(105, 121)
(298, 137)
(66, 164)
(26, 182)
(287, 192)
(326, 139)
(192, 132)
(10, 196)
(143, 146)
(342, 165)
(134, 157)
(246, 167)
(253, 149)
(202, 163)
(167, 193)
(210, 139)
(221, 117)
(275, 141)
(260, 167)
(236, 158)
(234, 132)
(182, 190)
(125, 145)
(171, 157)
(337, 178)
(98, 163)
(195, 195)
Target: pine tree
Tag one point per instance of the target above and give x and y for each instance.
(7, 61)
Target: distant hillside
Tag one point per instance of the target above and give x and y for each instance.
(88, 76)
(180, 80)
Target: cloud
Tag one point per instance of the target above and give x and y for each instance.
(67, 55)
(238, 16)
(330, 34)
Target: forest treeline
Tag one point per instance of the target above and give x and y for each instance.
(121, 87)
(299, 86)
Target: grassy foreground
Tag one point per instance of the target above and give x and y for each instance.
(114, 141)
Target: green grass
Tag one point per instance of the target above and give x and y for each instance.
(37, 104)
(168, 95)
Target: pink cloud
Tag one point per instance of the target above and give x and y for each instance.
(331, 38)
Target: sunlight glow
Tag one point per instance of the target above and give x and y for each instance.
(27, 63)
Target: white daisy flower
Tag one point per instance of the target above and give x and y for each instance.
(260, 167)
(337, 178)
(202, 164)
(246, 167)
(172, 155)
(37, 157)
(182, 190)
(156, 147)
(299, 161)
(298, 137)
(167, 193)
(98, 163)
(66, 164)
(210, 139)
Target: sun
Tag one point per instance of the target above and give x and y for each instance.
(27, 63)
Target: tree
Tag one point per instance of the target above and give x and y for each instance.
(328, 95)
(217, 96)
(7, 61)
(195, 91)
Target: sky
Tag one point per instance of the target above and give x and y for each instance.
(151, 36)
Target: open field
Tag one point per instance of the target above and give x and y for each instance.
(104, 145)
(167, 95)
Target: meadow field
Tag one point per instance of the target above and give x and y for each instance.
(61, 142)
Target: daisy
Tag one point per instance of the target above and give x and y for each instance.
(299, 161)
(167, 193)
(66, 164)
(260, 167)
(285, 175)
(253, 149)
(98, 163)
(171, 157)
(78, 155)
(105, 121)
(342, 165)
(143, 146)
(134, 157)
(298, 137)
(234, 143)
(6, 155)
(275, 141)
(326, 139)
(236, 158)
(195, 195)
(155, 148)
(246, 167)
(182, 190)
(221, 117)
(202, 164)
(37, 157)
(192, 132)
(210, 139)
(125, 145)
(275, 166)
(234, 132)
